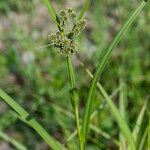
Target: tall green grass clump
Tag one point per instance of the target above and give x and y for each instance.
(70, 25)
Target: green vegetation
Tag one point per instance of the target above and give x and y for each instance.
(37, 82)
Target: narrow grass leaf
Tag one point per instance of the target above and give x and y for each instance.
(104, 134)
(138, 124)
(85, 6)
(70, 145)
(93, 127)
(119, 119)
(65, 90)
(102, 64)
(51, 11)
(99, 144)
(12, 103)
(122, 104)
(95, 112)
(24, 116)
(15, 143)
(143, 140)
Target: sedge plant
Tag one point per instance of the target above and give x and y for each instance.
(64, 40)
(88, 108)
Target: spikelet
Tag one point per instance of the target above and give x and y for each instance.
(63, 42)
(79, 26)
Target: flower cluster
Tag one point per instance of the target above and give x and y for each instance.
(79, 25)
(64, 40)
(64, 17)
(62, 43)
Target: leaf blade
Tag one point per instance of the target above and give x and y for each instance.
(24, 116)
(85, 6)
(51, 11)
(99, 70)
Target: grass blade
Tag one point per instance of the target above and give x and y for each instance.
(102, 64)
(12, 141)
(51, 11)
(104, 134)
(138, 124)
(70, 145)
(94, 113)
(12, 103)
(93, 127)
(119, 119)
(143, 139)
(86, 4)
(123, 104)
(24, 116)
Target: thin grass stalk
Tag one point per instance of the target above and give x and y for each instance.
(74, 96)
(99, 144)
(73, 93)
(24, 115)
(122, 104)
(66, 132)
(104, 134)
(138, 123)
(120, 121)
(86, 4)
(12, 141)
(51, 11)
(102, 64)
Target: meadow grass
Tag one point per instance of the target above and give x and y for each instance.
(128, 138)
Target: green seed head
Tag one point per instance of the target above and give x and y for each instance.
(71, 14)
(63, 40)
(79, 26)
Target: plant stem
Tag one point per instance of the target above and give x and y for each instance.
(122, 103)
(51, 11)
(87, 2)
(73, 93)
(74, 96)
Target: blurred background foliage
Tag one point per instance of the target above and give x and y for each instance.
(37, 77)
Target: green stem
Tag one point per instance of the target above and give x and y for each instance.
(102, 64)
(73, 92)
(51, 11)
(74, 96)
(122, 104)
(86, 4)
